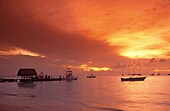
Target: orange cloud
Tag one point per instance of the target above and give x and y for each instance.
(86, 67)
(19, 51)
(71, 29)
(141, 44)
(138, 28)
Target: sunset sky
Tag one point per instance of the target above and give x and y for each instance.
(101, 36)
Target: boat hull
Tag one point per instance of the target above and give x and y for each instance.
(69, 79)
(133, 79)
(91, 76)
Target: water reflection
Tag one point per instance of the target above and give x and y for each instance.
(27, 84)
(105, 93)
(149, 95)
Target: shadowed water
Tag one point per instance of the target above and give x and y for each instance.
(104, 93)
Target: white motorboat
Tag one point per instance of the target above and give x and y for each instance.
(69, 75)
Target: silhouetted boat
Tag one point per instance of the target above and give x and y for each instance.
(152, 74)
(133, 79)
(69, 75)
(168, 74)
(91, 76)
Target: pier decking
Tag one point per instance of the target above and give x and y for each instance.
(29, 80)
(8, 80)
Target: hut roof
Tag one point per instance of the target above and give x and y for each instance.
(26, 72)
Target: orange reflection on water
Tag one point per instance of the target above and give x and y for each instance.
(148, 95)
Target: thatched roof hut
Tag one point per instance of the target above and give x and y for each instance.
(26, 72)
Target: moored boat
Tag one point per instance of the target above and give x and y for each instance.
(91, 76)
(133, 79)
(152, 74)
(69, 75)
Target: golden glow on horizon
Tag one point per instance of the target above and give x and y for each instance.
(162, 70)
(86, 67)
(142, 53)
(19, 51)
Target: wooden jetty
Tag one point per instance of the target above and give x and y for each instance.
(8, 80)
(30, 75)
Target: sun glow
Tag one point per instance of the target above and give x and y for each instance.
(19, 51)
(143, 53)
(140, 44)
(86, 67)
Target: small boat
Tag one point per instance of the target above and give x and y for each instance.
(133, 79)
(91, 76)
(168, 74)
(69, 75)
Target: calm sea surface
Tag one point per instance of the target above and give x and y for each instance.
(104, 93)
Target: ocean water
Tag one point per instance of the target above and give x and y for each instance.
(103, 93)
